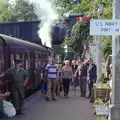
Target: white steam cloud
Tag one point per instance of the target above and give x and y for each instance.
(47, 16)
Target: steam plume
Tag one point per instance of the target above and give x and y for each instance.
(47, 16)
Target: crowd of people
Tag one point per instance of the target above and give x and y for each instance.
(58, 74)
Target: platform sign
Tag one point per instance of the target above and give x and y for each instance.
(105, 27)
(102, 110)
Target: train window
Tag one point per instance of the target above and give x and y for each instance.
(17, 56)
(30, 55)
(28, 60)
(26, 55)
(1, 59)
(39, 56)
(21, 56)
(42, 55)
(37, 60)
(12, 60)
(36, 55)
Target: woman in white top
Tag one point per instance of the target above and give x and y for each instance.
(67, 77)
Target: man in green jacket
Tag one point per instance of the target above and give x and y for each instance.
(19, 79)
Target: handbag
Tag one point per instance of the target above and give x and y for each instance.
(9, 109)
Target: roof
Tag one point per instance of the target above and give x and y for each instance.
(15, 41)
(21, 22)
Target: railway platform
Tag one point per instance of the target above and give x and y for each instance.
(72, 108)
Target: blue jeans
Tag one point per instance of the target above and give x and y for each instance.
(44, 88)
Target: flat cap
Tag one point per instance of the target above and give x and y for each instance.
(17, 61)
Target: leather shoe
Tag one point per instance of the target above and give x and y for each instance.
(53, 99)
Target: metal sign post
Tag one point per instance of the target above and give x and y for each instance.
(99, 50)
(112, 27)
(115, 107)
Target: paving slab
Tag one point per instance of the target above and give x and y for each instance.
(72, 108)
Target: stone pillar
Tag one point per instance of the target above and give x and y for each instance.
(115, 107)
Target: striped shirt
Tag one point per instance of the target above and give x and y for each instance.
(52, 71)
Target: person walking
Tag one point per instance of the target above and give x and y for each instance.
(92, 75)
(59, 85)
(75, 79)
(52, 76)
(67, 75)
(44, 77)
(19, 79)
(82, 72)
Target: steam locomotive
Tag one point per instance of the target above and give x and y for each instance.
(32, 56)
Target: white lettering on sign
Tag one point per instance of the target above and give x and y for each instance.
(105, 27)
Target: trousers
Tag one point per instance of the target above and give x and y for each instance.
(66, 85)
(51, 83)
(18, 98)
(90, 86)
(83, 82)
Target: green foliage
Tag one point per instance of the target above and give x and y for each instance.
(79, 38)
(88, 8)
(5, 11)
(25, 10)
(20, 10)
(63, 6)
(106, 46)
(107, 14)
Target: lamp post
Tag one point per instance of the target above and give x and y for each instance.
(99, 50)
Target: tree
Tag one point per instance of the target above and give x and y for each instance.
(25, 11)
(106, 46)
(107, 14)
(5, 11)
(20, 10)
(79, 39)
(64, 6)
(89, 8)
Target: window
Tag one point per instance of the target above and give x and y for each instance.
(26, 55)
(17, 56)
(28, 59)
(1, 60)
(39, 56)
(12, 60)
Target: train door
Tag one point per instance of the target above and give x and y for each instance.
(37, 68)
(28, 67)
(2, 83)
(12, 58)
(1, 60)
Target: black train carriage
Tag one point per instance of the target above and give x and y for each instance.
(31, 54)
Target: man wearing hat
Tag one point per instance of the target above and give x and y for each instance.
(19, 79)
